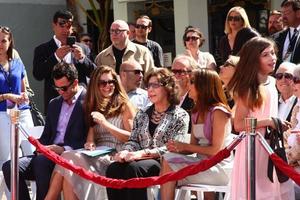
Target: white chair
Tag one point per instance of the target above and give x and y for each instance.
(28, 149)
(184, 192)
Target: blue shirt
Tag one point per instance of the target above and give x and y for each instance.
(11, 81)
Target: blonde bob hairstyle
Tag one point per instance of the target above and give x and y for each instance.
(241, 11)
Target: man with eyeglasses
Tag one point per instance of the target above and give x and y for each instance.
(56, 50)
(284, 84)
(287, 40)
(65, 129)
(131, 75)
(86, 39)
(182, 67)
(122, 49)
(142, 29)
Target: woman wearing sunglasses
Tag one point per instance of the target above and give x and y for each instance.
(12, 91)
(238, 31)
(211, 127)
(153, 127)
(109, 115)
(193, 39)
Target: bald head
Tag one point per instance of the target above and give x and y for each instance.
(131, 74)
(122, 25)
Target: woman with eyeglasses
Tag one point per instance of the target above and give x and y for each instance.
(211, 127)
(193, 39)
(12, 91)
(109, 115)
(238, 31)
(153, 127)
(256, 96)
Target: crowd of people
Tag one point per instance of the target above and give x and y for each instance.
(155, 119)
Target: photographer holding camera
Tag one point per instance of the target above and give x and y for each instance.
(62, 47)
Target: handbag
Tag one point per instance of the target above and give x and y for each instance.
(276, 143)
(37, 117)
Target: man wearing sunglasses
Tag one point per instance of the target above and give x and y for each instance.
(284, 84)
(56, 50)
(142, 29)
(65, 129)
(131, 75)
(122, 49)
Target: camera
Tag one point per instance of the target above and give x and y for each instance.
(71, 40)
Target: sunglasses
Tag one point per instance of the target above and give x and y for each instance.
(87, 40)
(104, 83)
(135, 71)
(5, 28)
(63, 88)
(64, 23)
(153, 85)
(234, 18)
(296, 80)
(180, 72)
(116, 31)
(141, 26)
(193, 38)
(279, 76)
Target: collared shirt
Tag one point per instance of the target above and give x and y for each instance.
(285, 107)
(139, 98)
(64, 117)
(287, 40)
(182, 99)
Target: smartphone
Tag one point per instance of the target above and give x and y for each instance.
(71, 40)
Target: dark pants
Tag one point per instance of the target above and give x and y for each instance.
(142, 168)
(38, 168)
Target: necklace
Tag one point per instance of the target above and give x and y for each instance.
(157, 116)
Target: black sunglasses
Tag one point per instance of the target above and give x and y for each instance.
(135, 71)
(234, 18)
(87, 40)
(116, 31)
(180, 72)
(104, 83)
(296, 80)
(193, 38)
(141, 26)
(63, 88)
(279, 76)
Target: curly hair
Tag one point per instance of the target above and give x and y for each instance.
(167, 80)
(94, 101)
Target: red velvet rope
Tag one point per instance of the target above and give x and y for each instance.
(134, 182)
(285, 168)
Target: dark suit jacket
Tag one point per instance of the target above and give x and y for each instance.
(43, 64)
(76, 131)
(279, 39)
(188, 105)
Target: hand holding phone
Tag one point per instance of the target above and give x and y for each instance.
(71, 40)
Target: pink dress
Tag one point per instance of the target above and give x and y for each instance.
(265, 189)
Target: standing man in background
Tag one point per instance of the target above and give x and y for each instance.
(142, 29)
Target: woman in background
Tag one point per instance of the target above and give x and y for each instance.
(238, 31)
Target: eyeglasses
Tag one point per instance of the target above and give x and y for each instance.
(296, 80)
(104, 83)
(116, 31)
(234, 18)
(279, 76)
(63, 88)
(141, 26)
(153, 85)
(135, 71)
(5, 28)
(86, 40)
(180, 72)
(193, 38)
(64, 23)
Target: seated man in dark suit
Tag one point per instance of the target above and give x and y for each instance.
(56, 50)
(65, 129)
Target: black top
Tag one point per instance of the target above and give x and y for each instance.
(156, 51)
(118, 56)
(241, 38)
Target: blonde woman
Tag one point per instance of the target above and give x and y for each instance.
(238, 31)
